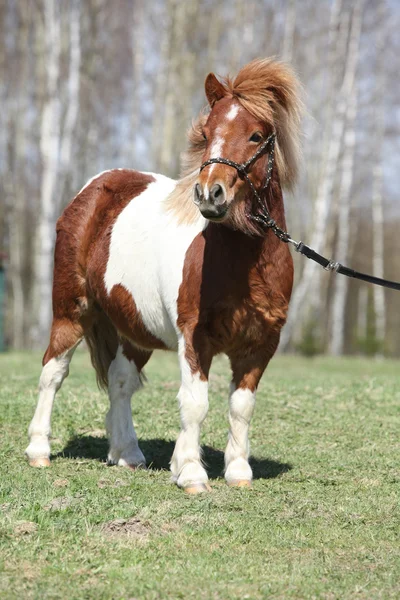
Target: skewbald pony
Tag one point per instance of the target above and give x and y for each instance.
(270, 91)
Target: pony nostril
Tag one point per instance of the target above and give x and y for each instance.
(217, 194)
(198, 194)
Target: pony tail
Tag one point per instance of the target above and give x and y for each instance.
(102, 341)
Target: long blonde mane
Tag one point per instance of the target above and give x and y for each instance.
(270, 91)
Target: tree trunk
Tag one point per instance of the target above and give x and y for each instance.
(289, 30)
(178, 9)
(161, 83)
(325, 188)
(72, 102)
(341, 284)
(50, 149)
(137, 38)
(15, 183)
(377, 181)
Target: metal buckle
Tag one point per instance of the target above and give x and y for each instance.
(332, 266)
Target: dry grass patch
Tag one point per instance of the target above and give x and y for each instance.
(127, 528)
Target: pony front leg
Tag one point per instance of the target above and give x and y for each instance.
(246, 373)
(187, 470)
(241, 406)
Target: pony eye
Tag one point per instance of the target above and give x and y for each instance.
(204, 136)
(256, 137)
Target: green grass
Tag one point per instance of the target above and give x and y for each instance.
(322, 520)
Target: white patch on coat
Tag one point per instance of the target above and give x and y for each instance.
(186, 464)
(146, 256)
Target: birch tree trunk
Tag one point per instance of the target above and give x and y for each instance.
(377, 180)
(237, 24)
(50, 150)
(161, 83)
(178, 9)
(137, 64)
(362, 312)
(71, 116)
(186, 85)
(341, 284)
(15, 190)
(289, 30)
(325, 188)
(214, 30)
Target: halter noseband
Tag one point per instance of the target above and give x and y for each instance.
(262, 216)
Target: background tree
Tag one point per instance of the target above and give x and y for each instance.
(89, 86)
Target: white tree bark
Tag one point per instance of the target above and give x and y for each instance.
(50, 151)
(71, 116)
(14, 186)
(137, 40)
(161, 83)
(325, 188)
(377, 180)
(178, 9)
(214, 31)
(336, 340)
(238, 16)
(289, 30)
(362, 312)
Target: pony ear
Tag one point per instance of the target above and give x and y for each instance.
(214, 89)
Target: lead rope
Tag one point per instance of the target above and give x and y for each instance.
(263, 218)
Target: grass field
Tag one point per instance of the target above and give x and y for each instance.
(322, 519)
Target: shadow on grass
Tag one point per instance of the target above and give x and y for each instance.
(158, 453)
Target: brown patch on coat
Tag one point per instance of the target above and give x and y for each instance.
(234, 298)
(81, 305)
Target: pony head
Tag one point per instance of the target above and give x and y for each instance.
(263, 99)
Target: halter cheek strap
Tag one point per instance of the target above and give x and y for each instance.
(261, 216)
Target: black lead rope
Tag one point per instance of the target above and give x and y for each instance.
(264, 219)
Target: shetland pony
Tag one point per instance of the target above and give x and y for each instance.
(143, 262)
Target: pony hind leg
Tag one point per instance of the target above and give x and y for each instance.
(64, 338)
(124, 379)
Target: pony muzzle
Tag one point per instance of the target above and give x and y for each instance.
(211, 203)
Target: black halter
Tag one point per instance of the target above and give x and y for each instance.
(263, 218)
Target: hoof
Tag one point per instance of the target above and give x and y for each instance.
(142, 467)
(197, 488)
(40, 462)
(241, 483)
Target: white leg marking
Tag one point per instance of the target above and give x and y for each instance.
(51, 378)
(186, 464)
(241, 407)
(123, 381)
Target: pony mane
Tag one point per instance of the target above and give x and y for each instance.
(271, 92)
